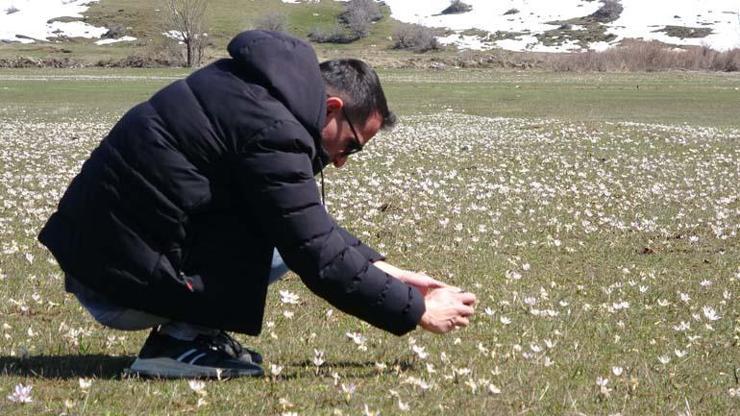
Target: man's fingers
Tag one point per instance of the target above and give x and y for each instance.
(460, 321)
(457, 322)
(465, 311)
(467, 298)
(436, 284)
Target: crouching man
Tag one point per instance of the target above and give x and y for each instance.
(203, 195)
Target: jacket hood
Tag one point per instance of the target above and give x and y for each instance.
(289, 69)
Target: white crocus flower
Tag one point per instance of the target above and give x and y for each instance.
(710, 313)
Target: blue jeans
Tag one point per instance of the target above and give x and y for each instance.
(133, 320)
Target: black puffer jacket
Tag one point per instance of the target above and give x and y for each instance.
(205, 179)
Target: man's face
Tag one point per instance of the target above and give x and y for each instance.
(337, 136)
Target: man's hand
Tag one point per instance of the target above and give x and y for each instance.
(418, 280)
(422, 282)
(447, 309)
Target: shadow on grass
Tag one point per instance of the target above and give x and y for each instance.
(404, 365)
(106, 367)
(347, 369)
(65, 366)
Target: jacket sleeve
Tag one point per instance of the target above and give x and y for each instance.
(371, 255)
(275, 175)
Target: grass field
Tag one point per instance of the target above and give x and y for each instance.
(596, 221)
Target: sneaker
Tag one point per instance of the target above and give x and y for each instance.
(163, 356)
(224, 342)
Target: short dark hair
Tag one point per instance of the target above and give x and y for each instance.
(359, 87)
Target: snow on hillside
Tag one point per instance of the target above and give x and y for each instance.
(518, 22)
(492, 16)
(27, 21)
(639, 19)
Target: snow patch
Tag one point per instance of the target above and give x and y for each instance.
(179, 36)
(464, 42)
(639, 19)
(109, 41)
(27, 21)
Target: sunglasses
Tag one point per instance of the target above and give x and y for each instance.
(354, 146)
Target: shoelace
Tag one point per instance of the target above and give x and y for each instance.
(224, 341)
(221, 342)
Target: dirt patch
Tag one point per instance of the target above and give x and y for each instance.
(684, 32)
(609, 12)
(582, 35)
(64, 19)
(457, 7)
(584, 30)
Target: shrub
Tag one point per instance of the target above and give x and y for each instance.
(359, 15)
(647, 56)
(139, 61)
(353, 23)
(157, 52)
(115, 31)
(728, 61)
(28, 62)
(275, 21)
(415, 37)
(337, 34)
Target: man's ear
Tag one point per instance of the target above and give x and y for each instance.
(333, 104)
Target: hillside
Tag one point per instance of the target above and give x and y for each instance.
(562, 26)
(132, 32)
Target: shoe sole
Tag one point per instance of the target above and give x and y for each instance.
(163, 367)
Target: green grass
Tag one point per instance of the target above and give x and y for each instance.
(703, 99)
(696, 99)
(143, 20)
(596, 237)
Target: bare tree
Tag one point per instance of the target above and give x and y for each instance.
(187, 19)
